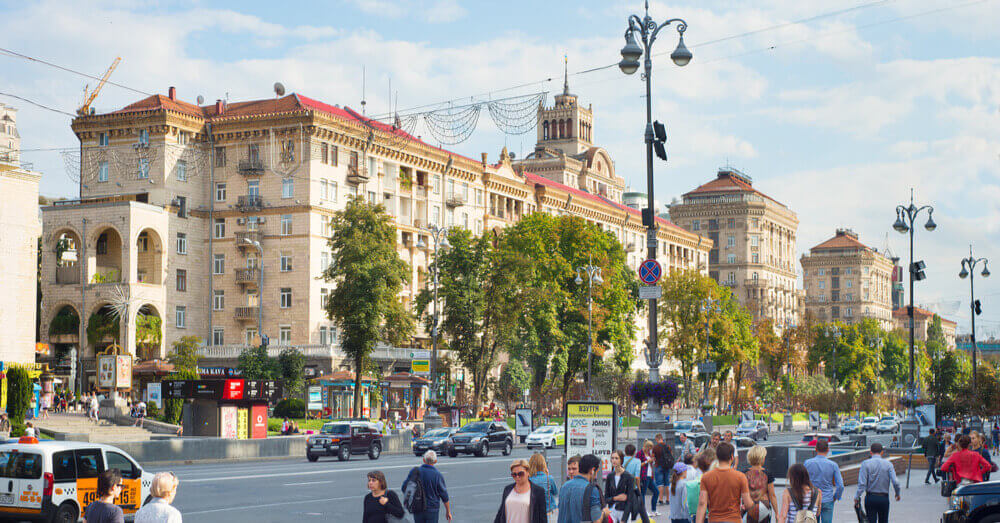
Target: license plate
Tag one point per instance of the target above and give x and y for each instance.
(319, 447)
(6, 499)
(460, 447)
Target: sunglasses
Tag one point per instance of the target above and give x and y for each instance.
(517, 474)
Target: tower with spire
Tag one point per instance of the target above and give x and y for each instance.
(565, 125)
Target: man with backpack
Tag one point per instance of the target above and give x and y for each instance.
(580, 500)
(424, 491)
(825, 476)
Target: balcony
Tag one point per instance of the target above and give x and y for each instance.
(247, 276)
(250, 167)
(273, 350)
(355, 175)
(246, 314)
(67, 275)
(243, 236)
(249, 202)
(454, 200)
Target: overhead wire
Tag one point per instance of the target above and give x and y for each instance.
(36, 104)
(68, 70)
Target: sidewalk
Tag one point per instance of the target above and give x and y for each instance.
(920, 502)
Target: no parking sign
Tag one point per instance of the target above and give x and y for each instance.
(650, 272)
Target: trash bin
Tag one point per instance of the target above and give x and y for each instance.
(787, 424)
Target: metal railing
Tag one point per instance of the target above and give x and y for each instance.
(233, 351)
(67, 275)
(250, 202)
(247, 275)
(250, 167)
(241, 236)
(245, 313)
(356, 175)
(454, 200)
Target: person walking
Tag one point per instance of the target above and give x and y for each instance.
(637, 505)
(646, 478)
(29, 430)
(573, 493)
(619, 488)
(103, 509)
(380, 502)
(158, 509)
(692, 481)
(140, 413)
(966, 465)
(929, 443)
(761, 484)
(687, 446)
(723, 490)
(825, 476)
(95, 408)
(663, 462)
(799, 495)
(874, 479)
(713, 442)
(435, 491)
(978, 445)
(522, 501)
(538, 473)
(996, 437)
(679, 512)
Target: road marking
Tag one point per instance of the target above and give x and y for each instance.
(244, 507)
(335, 471)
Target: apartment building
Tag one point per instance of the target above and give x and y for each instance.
(10, 140)
(922, 319)
(18, 261)
(216, 218)
(753, 243)
(845, 280)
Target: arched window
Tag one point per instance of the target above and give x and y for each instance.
(569, 128)
(545, 130)
(562, 128)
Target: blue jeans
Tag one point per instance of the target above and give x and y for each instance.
(826, 512)
(427, 516)
(662, 477)
(650, 485)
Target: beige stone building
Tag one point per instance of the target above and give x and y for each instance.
(176, 198)
(753, 239)
(921, 320)
(10, 139)
(845, 280)
(19, 231)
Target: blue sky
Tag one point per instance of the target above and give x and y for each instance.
(837, 116)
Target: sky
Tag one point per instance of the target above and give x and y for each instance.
(837, 108)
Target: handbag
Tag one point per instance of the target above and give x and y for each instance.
(389, 518)
(947, 486)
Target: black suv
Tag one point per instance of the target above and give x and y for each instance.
(975, 503)
(343, 438)
(479, 437)
(434, 439)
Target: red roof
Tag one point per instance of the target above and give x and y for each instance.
(727, 182)
(841, 241)
(918, 314)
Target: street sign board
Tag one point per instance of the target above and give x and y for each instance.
(650, 292)
(522, 422)
(650, 271)
(591, 428)
(707, 367)
(420, 367)
(420, 354)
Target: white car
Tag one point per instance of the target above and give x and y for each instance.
(549, 436)
(54, 481)
(869, 423)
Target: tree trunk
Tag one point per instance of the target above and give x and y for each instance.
(359, 366)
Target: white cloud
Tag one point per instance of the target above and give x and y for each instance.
(431, 11)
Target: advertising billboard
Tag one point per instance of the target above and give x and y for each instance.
(591, 428)
(522, 422)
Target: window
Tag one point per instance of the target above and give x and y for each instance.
(253, 223)
(284, 334)
(436, 215)
(352, 190)
(322, 335)
(220, 156)
(479, 196)
(451, 188)
(333, 155)
(822, 272)
(88, 463)
(465, 220)
(218, 264)
(324, 294)
(465, 191)
(731, 241)
(286, 224)
(286, 262)
(218, 299)
(754, 240)
(220, 227)
(218, 336)
(253, 152)
(102, 139)
(847, 270)
(102, 171)
(324, 261)
(182, 243)
(183, 138)
(754, 257)
(182, 207)
(333, 191)
(866, 270)
(730, 258)
(117, 461)
(287, 187)
(731, 223)
(286, 297)
(102, 244)
(220, 192)
(324, 152)
(696, 225)
(180, 317)
(437, 184)
(142, 243)
(182, 280)
(822, 284)
(143, 169)
(63, 466)
(144, 136)
(324, 192)
(847, 283)
(249, 335)
(182, 171)
(253, 188)
(755, 222)
(847, 312)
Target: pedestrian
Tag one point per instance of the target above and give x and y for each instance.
(140, 413)
(799, 495)
(825, 476)
(29, 430)
(286, 427)
(103, 509)
(95, 407)
(572, 467)
(679, 512)
(619, 488)
(692, 481)
(996, 437)
(930, 448)
(574, 492)
(723, 490)
(380, 502)
(874, 479)
(158, 509)
(687, 446)
(4, 423)
(632, 465)
(435, 491)
(760, 483)
(522, 501)
(538, 473)
(713, 442)
(966, 465)
(646, 477)
(663, 462)
(951, 445)
(978, 446)
(728, 437)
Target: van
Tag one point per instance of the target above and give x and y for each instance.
(54, 481)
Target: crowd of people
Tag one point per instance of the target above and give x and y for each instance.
(158, 509)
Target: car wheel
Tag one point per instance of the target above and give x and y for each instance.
(344, 453)
(992, 518)
(311, 457)
(374, 451)
(67, 513)
(451, 453)
(483, 450)
(507, 447)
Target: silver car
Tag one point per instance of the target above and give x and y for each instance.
(754, 429)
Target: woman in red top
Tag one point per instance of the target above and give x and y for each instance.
(966, 465)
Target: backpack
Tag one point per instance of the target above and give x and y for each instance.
(413, 492)
(807, 515)
(757, 482)
(693, 494)
(585, 501)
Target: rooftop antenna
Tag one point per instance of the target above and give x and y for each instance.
(363, 102)
(279, 89)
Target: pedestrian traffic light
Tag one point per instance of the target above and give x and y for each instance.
(978, 308)
(917, 270)
(659, 136)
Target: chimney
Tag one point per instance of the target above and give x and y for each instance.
(172, 93)
(220, 107)
(484, 159)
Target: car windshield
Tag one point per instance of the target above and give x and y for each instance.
(481, 426)
(888, 418)
(547, 430)
(807, 437)
(335, 428)
(871, 420)
(436, 433)
(682, 425)
(748, 425)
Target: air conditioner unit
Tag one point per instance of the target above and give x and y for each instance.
(241, 221)
(261, 220)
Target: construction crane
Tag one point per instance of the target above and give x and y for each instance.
(88, 98)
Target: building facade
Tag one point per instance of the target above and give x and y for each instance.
(845, 280)
(922, 319)
(215, 218)
(19, 231)
(753, 243)
(10, 139)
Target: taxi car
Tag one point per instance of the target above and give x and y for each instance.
(548, 436)
(54, 481)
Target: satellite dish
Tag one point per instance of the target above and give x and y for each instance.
(201, 99)
(511, 154)
(279, 89)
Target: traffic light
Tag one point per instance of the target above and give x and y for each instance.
(264, 340)
(978, 307)
(659, 136)
(917, 270)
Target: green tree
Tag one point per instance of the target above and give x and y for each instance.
(775, 351)
(19, 392)
(184, 353)
(369, 275)
(255, 364)
(173, 408)
(291, 365)
(514, 380)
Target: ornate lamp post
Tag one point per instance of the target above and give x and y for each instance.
(260, 286)
(968, 264)
(593, 274)
(835, 332)
(711, 305)
(440, 237)
(647, 29)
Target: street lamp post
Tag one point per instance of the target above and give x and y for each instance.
(593, 274)
(788, 333)
(968, 264)
(832, 423)
(710, 306)
(260, 286)
(905, 216)
(440, 237)
(647, 30)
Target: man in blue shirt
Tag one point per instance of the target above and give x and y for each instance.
(572, 492)
(435, 492)
(825, 475)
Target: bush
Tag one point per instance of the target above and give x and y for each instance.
(290, 408)
(18, 398)
(175, 408)
(152, 410)
(274, 425)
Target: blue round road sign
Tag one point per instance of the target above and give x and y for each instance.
(649, 272)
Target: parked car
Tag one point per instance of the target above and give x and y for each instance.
(947, 425)
(755, 429)
(479, 437)
(887, 424)
(699, 439)
(549, 436)
(850, 427)
(744, 442)
(812, 437)
(869, 423)
(342, 439)
(974, 503)
(434, 439)
(692, 425)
